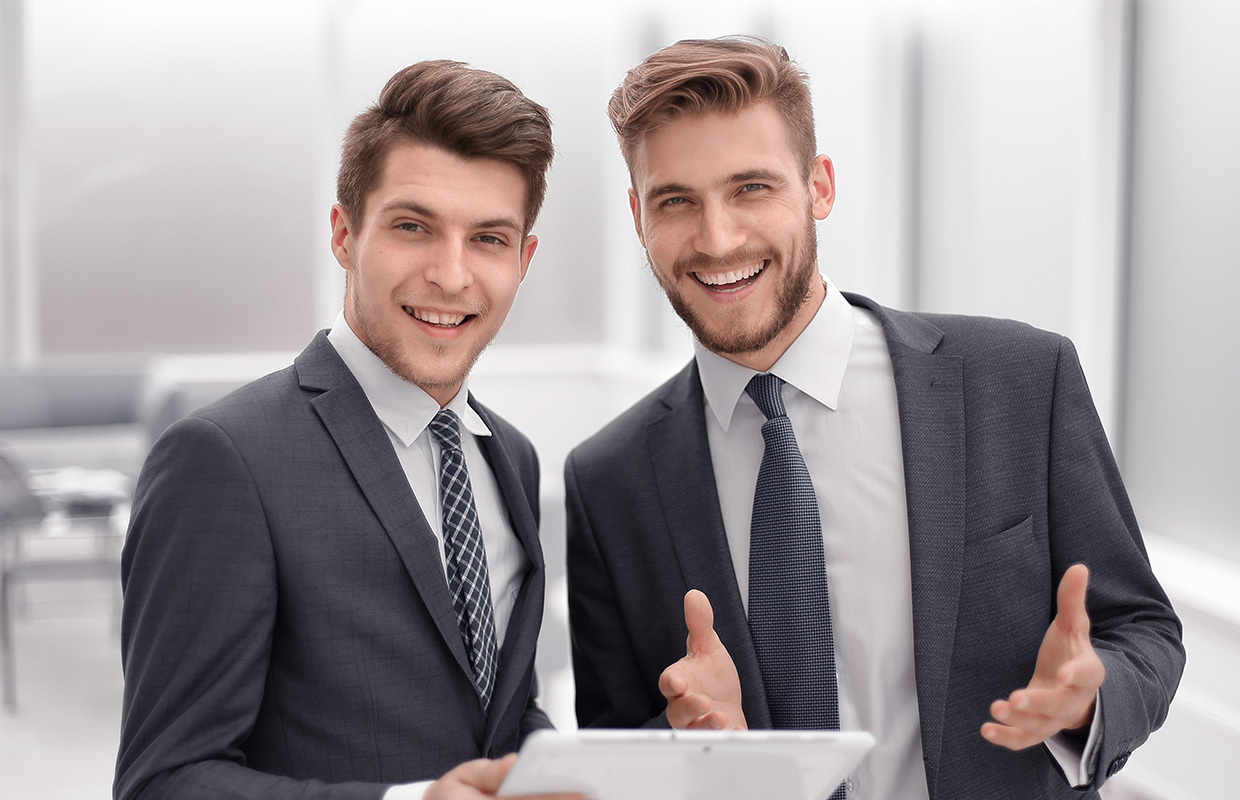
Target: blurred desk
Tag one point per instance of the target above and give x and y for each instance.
(55, 524)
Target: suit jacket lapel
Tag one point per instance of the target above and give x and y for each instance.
(521, 639)
(679, 450)
(930, 395)
(359, 435)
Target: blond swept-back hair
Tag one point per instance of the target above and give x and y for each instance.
(696, 76)
(471, 113)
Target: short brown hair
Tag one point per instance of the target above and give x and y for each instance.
(728, 74)
(469, 112)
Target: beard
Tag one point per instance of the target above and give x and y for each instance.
(725, 336)
(409, 367)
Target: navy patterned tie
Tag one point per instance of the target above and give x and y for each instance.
(789, 614)
(466, 560)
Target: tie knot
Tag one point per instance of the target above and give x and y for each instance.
(444, 429)
(767, 392)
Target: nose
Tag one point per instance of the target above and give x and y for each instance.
(449, 267)
(719, 233)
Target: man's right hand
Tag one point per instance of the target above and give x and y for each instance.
(702, 689)
(480, 779)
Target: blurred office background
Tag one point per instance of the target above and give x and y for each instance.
(166, 170)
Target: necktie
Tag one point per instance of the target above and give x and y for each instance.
(789, 614)
(464, 556)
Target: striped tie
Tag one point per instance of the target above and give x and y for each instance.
(466, 560)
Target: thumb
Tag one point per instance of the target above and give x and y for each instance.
(700, 620)
(1070, 600)
(485, 775)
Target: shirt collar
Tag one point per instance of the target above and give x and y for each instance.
(814, 363)
(403, 408)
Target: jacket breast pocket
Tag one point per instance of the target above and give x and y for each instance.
(1016, 542)
(1005, 605)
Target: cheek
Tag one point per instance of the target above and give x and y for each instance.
(502, 286)
(665, 241)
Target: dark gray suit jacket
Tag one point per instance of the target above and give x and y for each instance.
(287, 627)
(1009, 480)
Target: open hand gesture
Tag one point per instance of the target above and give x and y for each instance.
(1066, 678)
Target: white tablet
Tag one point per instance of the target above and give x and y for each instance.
(686, 765)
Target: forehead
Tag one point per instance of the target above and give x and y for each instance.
(450, 185)
(701, 149)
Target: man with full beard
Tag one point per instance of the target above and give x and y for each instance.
(910, 524)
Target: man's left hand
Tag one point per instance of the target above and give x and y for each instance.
(1066, 678)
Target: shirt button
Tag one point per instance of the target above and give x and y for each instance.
(849, 785)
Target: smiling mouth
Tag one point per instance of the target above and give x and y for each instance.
(731, 280)
(436, 318)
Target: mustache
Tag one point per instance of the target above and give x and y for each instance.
(700, 262)
(443, 300)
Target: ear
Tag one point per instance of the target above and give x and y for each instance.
(822, 186)
(636, 208)
(527, 252)
(342, 242)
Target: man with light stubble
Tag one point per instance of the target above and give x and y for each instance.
(333, 579)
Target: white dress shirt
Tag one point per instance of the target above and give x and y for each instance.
(840, 395)
(405, 411)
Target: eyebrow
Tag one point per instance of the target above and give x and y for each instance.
(423, 211)
(748, 176)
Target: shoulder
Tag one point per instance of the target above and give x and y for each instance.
(980, 342)
(268, 418)
(983, 336)
(1006, 356)
(271, 403)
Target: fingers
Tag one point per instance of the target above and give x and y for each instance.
(673, 682)
(713, 721)
(1041, 713)
(694, 712)
(1016, 728)
(1031, 716)
(1009, 737)
(700, 620)
(481, 778)
(1070, 600)
(484, 774)
(684, 710)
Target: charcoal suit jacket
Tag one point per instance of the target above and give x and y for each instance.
(287, 627)
(1009, 481)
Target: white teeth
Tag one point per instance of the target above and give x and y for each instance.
(435, 318)
(730, 277)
